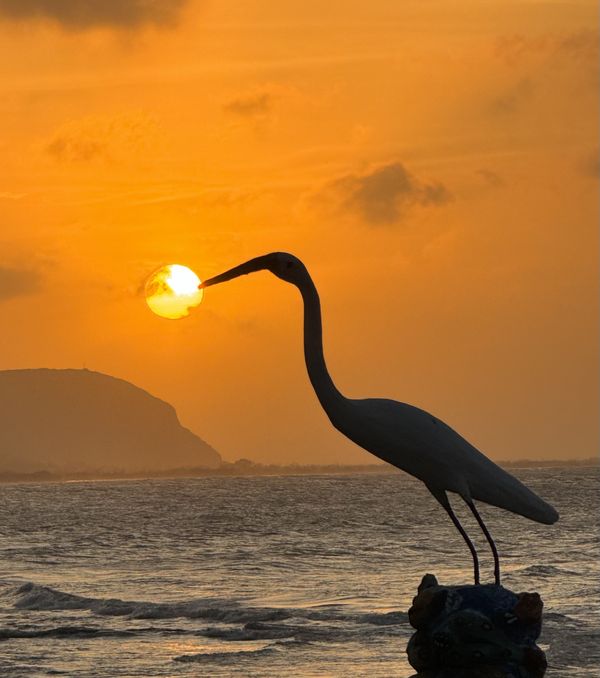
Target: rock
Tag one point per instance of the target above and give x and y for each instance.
(482, 631)
(528, 609)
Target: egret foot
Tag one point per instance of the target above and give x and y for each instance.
(475, 632)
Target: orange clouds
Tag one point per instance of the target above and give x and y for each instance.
(16, 282)
(250, 106)
(82, 14)
(103, 138)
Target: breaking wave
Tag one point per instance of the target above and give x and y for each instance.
(231, 622)
(30, 596)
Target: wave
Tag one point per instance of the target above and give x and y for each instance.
(268, 628)
(556, 617)
(251, 631)
(299, 633)
(32, 596)
(35, 597)
(64, 632)
(543, 571)
(302, 632)
(225, 656)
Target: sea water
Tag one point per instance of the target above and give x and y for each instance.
(271, 576)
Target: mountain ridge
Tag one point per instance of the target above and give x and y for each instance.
(79, 420)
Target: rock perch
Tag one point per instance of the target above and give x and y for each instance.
(475, 632)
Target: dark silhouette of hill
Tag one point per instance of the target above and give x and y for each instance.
(73, 421)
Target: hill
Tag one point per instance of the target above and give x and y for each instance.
(79, 421)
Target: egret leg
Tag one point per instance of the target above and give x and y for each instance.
(442, 497)
(488, 536)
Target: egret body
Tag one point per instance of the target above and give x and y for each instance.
(405, 436)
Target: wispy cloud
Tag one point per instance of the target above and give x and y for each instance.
(491, 178)
(16, 282)
(514, 98)
(590, 165)
(9, 195)
(251, 106)
(579, 46)
(102, 138)
(85, 14)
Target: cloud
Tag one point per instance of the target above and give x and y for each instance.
(9, 195)
(583, 46)
(514, 98)
(102, 138)
(383, 195)
(546, 62)
(590, 165)
(252, 106)
(491, 178)
(84, 14)
(579, 46)
(16, 282)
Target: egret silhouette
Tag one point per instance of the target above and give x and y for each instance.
(405, 436)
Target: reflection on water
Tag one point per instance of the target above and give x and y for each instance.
(269, 576)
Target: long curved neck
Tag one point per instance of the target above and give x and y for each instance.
(327, 393)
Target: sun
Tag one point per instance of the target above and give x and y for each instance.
(172, 291)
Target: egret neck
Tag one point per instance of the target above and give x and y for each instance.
(327, 393)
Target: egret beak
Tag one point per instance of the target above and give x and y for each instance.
(257, 264)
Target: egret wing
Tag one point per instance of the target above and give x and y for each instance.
(424, 446)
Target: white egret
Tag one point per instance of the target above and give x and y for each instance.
(407, 437)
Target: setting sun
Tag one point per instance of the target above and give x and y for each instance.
(172, 290)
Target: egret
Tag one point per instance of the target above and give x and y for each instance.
(402, 435)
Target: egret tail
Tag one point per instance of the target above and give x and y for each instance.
(508, 493)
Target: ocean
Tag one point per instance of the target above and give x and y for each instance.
(307, 576)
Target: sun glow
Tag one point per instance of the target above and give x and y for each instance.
(172, 291)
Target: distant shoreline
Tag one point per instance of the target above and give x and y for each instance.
(246, 468)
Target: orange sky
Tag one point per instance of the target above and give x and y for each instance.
(434, 164)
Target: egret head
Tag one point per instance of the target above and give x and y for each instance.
(283, 265)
